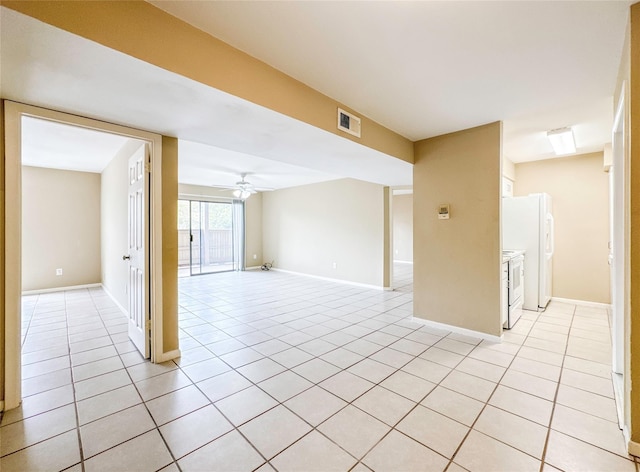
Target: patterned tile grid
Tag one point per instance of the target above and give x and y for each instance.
(291, 373)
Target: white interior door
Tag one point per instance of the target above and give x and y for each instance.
(139, 325)
(617, 249)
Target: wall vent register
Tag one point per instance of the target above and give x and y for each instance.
(348, 122)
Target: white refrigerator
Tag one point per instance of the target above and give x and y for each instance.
(527, 224)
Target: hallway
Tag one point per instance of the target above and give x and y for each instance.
(292, 373)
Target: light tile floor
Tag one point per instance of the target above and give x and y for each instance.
(291, 373)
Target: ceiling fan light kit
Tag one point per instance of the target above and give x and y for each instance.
(241, 194)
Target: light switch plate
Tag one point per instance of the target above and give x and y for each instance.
(443, 212)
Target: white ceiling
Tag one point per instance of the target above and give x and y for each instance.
(48, 67)
(59, 146)
(215, 166)
(432, 67)
(420, 68)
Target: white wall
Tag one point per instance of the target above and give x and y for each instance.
(60, 228)
(308, 228)
(114, 212)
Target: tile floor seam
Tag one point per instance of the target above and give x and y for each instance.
(635, 460)
(38, 442)
(486, 403)
(235, 427)
(553, 407)
(141, 398)
(75, 402)
(393, 427)
(377, 314)
(156, 427)
(338, 411)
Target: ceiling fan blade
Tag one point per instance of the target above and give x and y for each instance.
(224, 187)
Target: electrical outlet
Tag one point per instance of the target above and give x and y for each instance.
(335, 265)
(255, 256)
(58, 271)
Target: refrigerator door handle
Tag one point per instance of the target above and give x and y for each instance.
(551, 235)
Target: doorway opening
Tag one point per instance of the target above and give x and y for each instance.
(210, 236)
(15, 114)
(402, 239)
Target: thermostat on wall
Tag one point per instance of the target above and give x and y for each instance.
(443, 212)
(348, 123)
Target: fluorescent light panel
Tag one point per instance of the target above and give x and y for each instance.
(562, 141)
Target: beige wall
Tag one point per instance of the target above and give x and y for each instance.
(579, 189)
(170, 243)
(403, 228)
(209, 61)
(253, 230)
(457, 261)
(114, 215)
(60, 228)
(306, 229)
(253, 217)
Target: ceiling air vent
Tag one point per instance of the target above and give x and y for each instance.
(348, 123)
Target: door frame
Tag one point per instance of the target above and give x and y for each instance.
(13, 232)
(620, 268)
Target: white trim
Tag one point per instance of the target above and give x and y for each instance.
(395, 261)
(253, 268)
(633, 447)
(581, 302)
(60, 289)
(457, 329)
(168, 356)
(329, 279)
(204, 198)
(618, 394)
(154, 251)
(13, 113)
(113, 299)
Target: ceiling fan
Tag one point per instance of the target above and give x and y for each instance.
(242, 188)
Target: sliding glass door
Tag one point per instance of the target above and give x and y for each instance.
(211, 236)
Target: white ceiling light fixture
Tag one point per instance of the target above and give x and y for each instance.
(241, 194)
(562, 141)
(243, 188)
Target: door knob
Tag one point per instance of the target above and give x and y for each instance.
(126, 258)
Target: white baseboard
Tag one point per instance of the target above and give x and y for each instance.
(633, 447)
(59, 289)
(329, 279)
(113, 299)
(457, 329)
(168, 356)
(253, 268)
(581, 302)
(402, 262)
